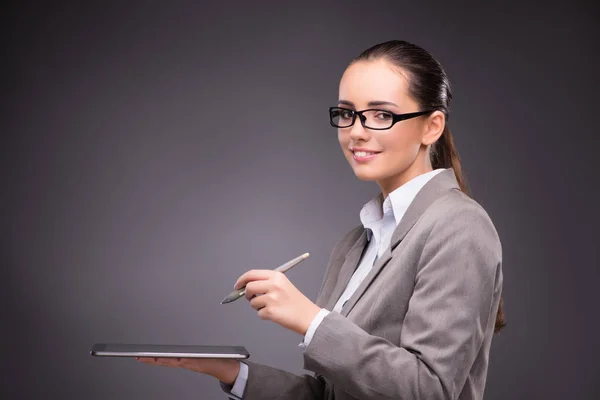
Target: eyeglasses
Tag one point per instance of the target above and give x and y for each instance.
(372, 118)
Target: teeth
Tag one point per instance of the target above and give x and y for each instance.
(363, 153)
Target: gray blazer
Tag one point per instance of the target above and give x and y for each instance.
(420, 325)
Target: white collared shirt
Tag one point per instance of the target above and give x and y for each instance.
(380, 220)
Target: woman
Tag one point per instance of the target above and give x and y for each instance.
(412, 297)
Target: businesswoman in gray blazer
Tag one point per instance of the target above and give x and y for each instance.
(411, 297)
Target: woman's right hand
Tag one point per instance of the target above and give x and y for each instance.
(225, 370)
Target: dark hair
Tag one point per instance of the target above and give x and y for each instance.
(429, 86)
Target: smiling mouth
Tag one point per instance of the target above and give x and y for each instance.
(362, 156)
(364, 153)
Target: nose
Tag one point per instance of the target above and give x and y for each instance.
(359, 132)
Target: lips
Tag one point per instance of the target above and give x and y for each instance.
(364, 155)
(362, 150)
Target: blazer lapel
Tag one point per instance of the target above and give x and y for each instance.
(349, 266)
(438, 186)
(434, 189)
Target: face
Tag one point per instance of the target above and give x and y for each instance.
(390, 157)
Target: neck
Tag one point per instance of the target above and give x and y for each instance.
(420, 166)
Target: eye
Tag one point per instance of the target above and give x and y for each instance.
(383, 116)
(345, 114)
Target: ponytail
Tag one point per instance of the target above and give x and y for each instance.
(444, 155)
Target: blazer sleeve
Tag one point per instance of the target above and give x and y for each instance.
(266, 382)
(448, 316)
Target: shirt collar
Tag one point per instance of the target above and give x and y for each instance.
(396, 203)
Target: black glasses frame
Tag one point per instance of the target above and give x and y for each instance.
(395, 117)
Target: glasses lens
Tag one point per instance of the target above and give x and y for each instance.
(340, 117)
(378, 119)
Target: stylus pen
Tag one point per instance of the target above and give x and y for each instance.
(236, 294)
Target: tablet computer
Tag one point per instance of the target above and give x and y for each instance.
(168, 350)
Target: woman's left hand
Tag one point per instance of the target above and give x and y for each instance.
(278, 300)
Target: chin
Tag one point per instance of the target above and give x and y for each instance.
(366, 175)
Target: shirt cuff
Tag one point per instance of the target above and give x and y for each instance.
(313, 327)
(236, 391)
(240, 382)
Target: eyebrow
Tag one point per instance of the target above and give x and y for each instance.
(370, 104)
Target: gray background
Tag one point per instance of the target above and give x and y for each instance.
(150, 154)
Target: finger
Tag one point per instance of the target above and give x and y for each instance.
(253, 275)
(160, 361)
(189, 363)
(147, 360)
(170, 362)
(264, 313)
(256, 288)
(259, 302)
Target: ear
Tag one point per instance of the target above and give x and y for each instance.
(433, 128)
